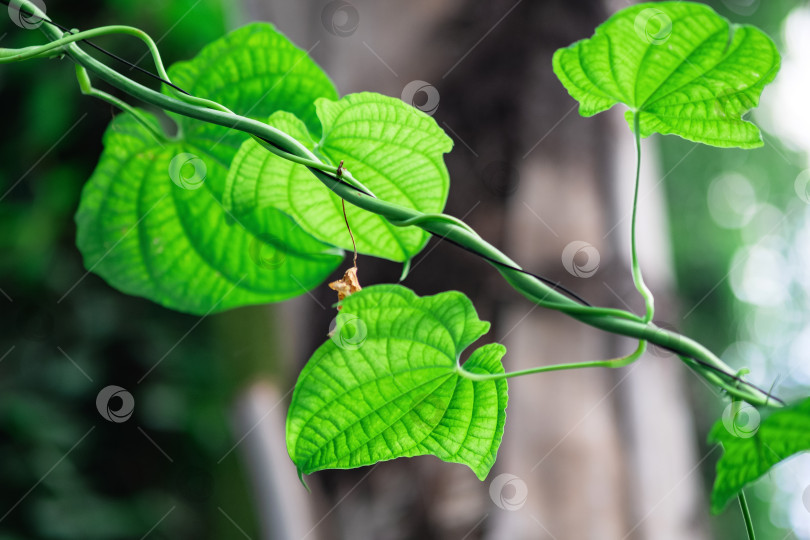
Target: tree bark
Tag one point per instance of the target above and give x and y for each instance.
(602, 454)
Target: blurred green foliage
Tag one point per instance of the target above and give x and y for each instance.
(66, 472)
(704, 252)
(704, 256)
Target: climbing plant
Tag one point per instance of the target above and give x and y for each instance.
(272, 177)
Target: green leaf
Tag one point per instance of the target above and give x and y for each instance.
(387, 385)
(394, 149)
(174, 242)
(683, 67)
(150, 224)
(748, 453)
(254, 71)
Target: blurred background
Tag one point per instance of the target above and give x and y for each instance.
(586, 455)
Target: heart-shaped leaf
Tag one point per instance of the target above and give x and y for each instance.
(394, 149)
(150, 220)
(149, 224)
(388, 384)
(685, 69)
(751, 448)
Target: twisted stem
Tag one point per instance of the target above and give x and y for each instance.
(615, 321)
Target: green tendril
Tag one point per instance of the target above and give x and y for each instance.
(611, 363)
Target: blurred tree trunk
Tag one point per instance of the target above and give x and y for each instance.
(603, 454)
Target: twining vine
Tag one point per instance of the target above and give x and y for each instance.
(678, 67)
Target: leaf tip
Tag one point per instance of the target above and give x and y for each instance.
(482, 472)
(301, 479)
(406, 269)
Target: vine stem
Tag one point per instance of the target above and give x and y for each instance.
(60, 45)
(87, 89)
(649, 302)
(749, 524)
(611, 363)
(707, 364)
